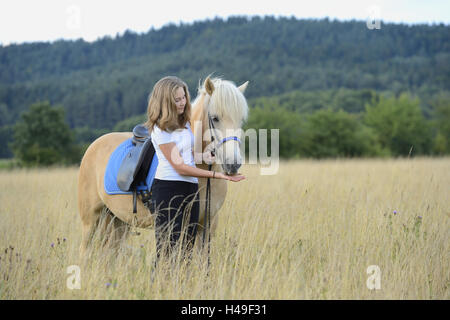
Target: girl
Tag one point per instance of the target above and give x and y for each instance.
(175, 186)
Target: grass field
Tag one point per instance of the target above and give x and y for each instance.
(309, 232)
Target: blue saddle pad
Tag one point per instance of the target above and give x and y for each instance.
(114, 162)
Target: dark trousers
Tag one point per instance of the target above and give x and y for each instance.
(176, 206)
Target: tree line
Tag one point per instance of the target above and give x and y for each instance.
(387, 126)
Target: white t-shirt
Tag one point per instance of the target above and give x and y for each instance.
(184, 140)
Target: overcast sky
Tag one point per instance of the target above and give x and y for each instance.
(49, 20)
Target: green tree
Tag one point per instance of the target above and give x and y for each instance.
(42, 137)
(399, 125)
(330, 134)
(289, 123)
(129, 123)
(85, 135)
(441, 113)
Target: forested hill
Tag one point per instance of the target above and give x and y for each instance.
(103, 82)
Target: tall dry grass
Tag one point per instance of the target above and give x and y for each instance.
(309, 232)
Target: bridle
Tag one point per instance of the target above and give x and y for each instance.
(212, 129)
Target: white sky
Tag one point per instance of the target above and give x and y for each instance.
(49, 20)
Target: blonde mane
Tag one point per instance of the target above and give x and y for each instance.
(226, 99)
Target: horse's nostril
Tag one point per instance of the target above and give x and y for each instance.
(232, 168)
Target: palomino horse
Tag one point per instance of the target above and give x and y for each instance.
(219, 103)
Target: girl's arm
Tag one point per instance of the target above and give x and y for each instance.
(172, 154)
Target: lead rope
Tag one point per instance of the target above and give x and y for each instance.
(207, 225)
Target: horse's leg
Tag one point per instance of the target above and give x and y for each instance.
(90, 204)
(89, 222)
(112, 230)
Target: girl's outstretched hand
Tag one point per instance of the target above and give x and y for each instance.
(236, 178)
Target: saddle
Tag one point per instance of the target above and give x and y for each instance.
(135, 166)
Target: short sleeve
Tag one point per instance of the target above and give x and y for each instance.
(161, 137)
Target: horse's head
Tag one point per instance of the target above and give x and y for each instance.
(224, 111)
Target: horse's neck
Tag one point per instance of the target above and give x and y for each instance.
(198, 118)
(197, 109)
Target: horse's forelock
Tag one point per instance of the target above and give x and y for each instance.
(227, 99)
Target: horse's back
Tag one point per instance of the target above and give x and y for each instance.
(106, 144)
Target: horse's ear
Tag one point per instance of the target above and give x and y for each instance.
(242, 87)
(209, 86)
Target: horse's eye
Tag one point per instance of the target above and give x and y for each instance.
(215, 119)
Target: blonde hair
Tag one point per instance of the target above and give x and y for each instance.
(162, 109)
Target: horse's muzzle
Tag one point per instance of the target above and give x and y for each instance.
(231, 169)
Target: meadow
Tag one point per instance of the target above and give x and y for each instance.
(309, 232)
